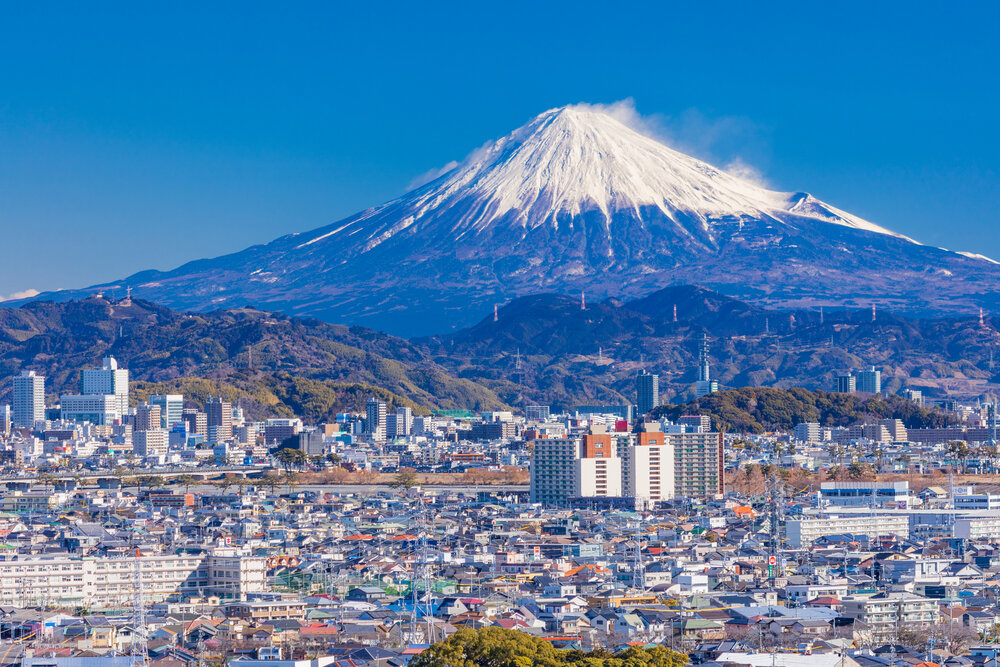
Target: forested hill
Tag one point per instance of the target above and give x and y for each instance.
(273, 363)
(760, 409)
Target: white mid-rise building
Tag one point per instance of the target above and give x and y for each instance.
(154, 442)
(103, 582)
(803, 532)
(108, 379)
(100, 409)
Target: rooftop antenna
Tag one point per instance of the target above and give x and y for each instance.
(675, 313)
(496, 315)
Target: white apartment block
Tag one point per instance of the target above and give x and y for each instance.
(108, 582)
(885, 613)
(650, 472)
(975, 528)
(803, 532)
(598, 477)
(552, 465)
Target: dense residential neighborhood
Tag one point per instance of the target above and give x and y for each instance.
(175, 532)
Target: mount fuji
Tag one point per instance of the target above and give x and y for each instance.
(575, 201)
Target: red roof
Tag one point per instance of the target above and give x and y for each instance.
(825, 601)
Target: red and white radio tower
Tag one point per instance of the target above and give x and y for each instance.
(675, 313)
(583, 301)
(873, 312)
(496, 316)
(982, 320)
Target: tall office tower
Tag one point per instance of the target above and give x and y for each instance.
(171, 408)
(552, 464)
(536, 413)
(220, 420)
(870, 381)
(29, 399)
(5, 414)
(705, 384)
(196, 420)
(107, 380)
(147, 418)
(648, 467)
(698, 464)
(845, 383)
(647, 390)
(375, 423)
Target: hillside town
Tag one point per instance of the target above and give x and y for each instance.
(175, 532)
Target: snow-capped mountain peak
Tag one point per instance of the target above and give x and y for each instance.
(577, 160)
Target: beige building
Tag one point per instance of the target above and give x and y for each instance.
(108, 582)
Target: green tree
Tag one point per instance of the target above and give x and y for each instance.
(406, 479)
(497, 647)
(271, 480)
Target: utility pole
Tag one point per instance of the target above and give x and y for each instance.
(638, 576)
(140, 649)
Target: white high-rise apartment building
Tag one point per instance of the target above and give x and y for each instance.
(5, 415)
(597, 478)
(29, 399)
(564, 468)
(171, 408)
(650, 470)
(108, 380)
(552, 465)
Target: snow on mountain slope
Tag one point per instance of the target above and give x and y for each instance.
(571, 160)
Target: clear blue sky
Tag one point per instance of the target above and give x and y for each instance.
(139, 135)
